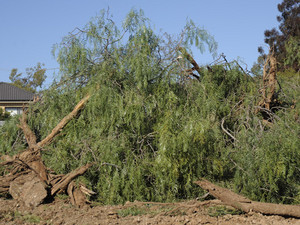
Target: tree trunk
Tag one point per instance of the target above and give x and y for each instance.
(239, 202)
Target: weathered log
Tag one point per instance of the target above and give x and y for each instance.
(6, 180)
(240, 202)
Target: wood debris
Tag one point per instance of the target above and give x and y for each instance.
(27, 178)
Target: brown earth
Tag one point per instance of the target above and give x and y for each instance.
(189, 212)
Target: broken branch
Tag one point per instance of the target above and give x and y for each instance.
(240, 202)
(64, 182)
(29, 135)
(191, 60)
(64, 122)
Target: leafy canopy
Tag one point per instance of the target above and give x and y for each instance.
(285, 41)
(151, 128)
(35, 77)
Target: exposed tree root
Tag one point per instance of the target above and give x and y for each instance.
(27, 178)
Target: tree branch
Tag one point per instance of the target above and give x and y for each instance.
(63, 183)
(29, 135)
(245, 204)
(190, 59)
(64, 122)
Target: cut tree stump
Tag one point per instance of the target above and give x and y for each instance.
(246, 205)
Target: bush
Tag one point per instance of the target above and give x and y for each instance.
(151, 129)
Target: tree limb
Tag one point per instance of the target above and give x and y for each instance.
(64, 182)
(191, 60)
(240, 202)
(29, 135)
(64, 122)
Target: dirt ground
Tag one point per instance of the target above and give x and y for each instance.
(190, 212)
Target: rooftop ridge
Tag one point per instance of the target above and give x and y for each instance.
(9, 92)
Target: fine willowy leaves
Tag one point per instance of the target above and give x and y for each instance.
(151, 128)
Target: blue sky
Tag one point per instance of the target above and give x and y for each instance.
(29, 28)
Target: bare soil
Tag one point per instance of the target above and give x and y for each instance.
(189, 212)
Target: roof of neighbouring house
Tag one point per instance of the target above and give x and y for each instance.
(9, 92)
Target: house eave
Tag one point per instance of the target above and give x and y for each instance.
(10, 102)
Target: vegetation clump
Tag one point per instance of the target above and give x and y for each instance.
(154, 123)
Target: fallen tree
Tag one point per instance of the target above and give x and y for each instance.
(28, 180)
(246, 205)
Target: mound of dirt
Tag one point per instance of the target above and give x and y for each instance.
(189, 212)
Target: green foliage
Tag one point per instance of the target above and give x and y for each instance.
(132, 211)
(270, 164)
(19, 217)
(285, 40)
(35, 77)
(216, 211)
(151, 130)
(288, 76)
(193, 35)
(4, 115)
(257, 68)
(11, 138)
(267, 158)
(292, 47)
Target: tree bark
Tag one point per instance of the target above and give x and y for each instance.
(34, 190)
(64, 182)
(64, 122)
(29, 135)
(192, 61)
(240, 202)
(269, 82)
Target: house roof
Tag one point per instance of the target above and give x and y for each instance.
(9, 92)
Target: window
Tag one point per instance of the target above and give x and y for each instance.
(14, 110)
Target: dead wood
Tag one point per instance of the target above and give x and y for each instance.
(269, 83)
(53, 179)
(29, 135)
(64, 182)
(70, 191)
(27, 160)
(192, 61)
(240, 202)
(86, 191)
(64, 122)
(27, 177)
(77, 196)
